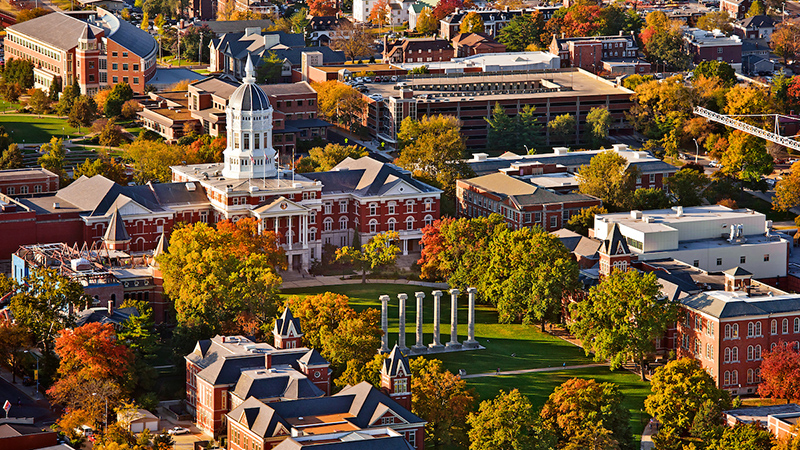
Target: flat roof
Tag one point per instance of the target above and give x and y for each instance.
(507, 59)
(355, 68)
(24, 174)
(664, 217)
(552, 180)
(266, 186)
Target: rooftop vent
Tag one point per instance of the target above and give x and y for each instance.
(297, 185)
(649, 219)
(190, 186)
(56, 205)
(253, 188)
(637, 215)
(480, 156)
(560, 150)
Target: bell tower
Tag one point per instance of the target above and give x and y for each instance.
(287, 331)
(614, 252)
(396, 378)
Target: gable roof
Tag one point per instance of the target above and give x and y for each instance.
(761, 21)
(723, 304)
(101, 316)
(266, 385)
(615, 244)
(57, 29)
(366, 176)
(285, 323)
(395, 362)
(313, 358)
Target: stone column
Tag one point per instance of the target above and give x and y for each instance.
(419, 347)
(384, 323)
(454, 344)
(437, 346)
(471, 342)
(401, 338)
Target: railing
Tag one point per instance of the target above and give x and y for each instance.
(747, 128)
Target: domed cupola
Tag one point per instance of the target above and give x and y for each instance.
(249, 152)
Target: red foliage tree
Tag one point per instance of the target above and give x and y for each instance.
(582, 20)
(794, 90)
(445, 7)
(646, 34)
(93, 351)
(319, 8)
(780, 373)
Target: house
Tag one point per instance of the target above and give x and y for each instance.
(469, 44)
(416, 8)
(416, 50)
(222, 27)
(757, 65)
(94, 49)
(106, 315)
(616, 54)
(28, 437)
(735, 8)
(140, 420)
(713, 46)
(755, 27)
(493, 20)
(397, 10)
(319, 28)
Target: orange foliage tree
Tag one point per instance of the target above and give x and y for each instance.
(319, 8)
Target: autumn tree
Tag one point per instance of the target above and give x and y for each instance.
(780, 373)
(507, 422)
(685, 400)
(750, 436)
(442, 400)
(151, 160)
(609, 178)
(53, 157)
(340, 104)
(342, 336)
(356, 372)
(599, 122)
(381, 13)
(82, 112)
(111, 134)
(321, 159)
(787, 190)
(318, 8)
(716, 69)
(432, 148)
(11, 158)
(352, 39)
(380, 251)
(582, 222)
(104, 166)
(687, 186)
(529, 271)
(746, 158)
(785, 41)
(649, 198)
(472, 23)
(14, 340)
(622, 317)
(577, 404)
(716, 20)
(661, 106)
(562, 128)
(224, 276)
(426, 23)
(28, 14)
(119, 94)
(521, 31)
(664, 49)
(445, 7)
(757, 8)
(39, 102)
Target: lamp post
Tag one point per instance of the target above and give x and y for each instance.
(105, 418)
(697, 152)
(36, 375)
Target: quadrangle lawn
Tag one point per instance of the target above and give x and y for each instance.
(531, 348)
(34, 130)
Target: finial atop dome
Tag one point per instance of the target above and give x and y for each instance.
(249, 71)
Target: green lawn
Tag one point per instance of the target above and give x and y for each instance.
(30, 129)
(762, 206)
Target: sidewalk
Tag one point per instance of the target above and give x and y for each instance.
(309, 281)
(647, 437)
(29, 391)
(541, 369)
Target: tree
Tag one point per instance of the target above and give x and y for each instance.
(562, 128)
(747, 100)
(270, 69)
(357, 371)
(137, 332)
(14, 340)
(578, 403)
(433, 149)
(650, 198)
(381, 13)
(787, 190)
(68, 96)
(716, 69)
(28, 14)
(609, 178)
(746, 158)
(319, 8)
(10, 92)
(39, 102)
(11, 158)
(151, 160)
(582, 222)
(354, 40)
(599, 119)
(757, 8)
(621, 318)
(53, 157)
(665, 49)
(750, 436)
(322, 159)
(522, 31)
(223, 277)
(111, 136)
(785, 41)
(19, 71)
(780, 373)
(83, 112)
(472, 23)
(442, 400)
(507, 422)
(716, 20)
(104, 166)
(445, 7)
(130, 109)
(528, 273)
(195, 41)
(379, 251)
(687, 185)
(681, 390)
(55, 88)
(337, 331)
(426, 23)
(514, 133)
(40, 306)
(120, 94)
(340, 103)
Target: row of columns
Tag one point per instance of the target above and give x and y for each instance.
(303, 221)
(436, 345)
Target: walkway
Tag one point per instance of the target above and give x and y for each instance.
(647, 437)
(292, 280)
(541, 369)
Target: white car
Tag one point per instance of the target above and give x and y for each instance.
(394, 78)
(178, 430)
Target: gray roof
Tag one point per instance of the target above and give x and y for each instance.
(736, 272)
(282, 386)
(723, 305)
(366, 176)
(116, 231)
(295, 55)
(235, 26)
(56, 29)
(761, 21)
(359, 443)
(283, 322)
(227, 370)
(132, 38)
(249, 97)
(178, 193)
(100, 315)
(313, 358)
(616, 244)
(395, 360)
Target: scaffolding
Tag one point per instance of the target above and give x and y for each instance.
(87, 265)
(747, 128)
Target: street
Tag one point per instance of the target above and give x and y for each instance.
(39, 410)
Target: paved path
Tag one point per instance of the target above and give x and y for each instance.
(541, 369)
(647, 437)
(290, 282)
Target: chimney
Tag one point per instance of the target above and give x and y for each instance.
(679, 211)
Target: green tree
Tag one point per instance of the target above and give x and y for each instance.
(522, 31)
(650, 198)
(104, 166)
(472, 23)
(426, 23)
(432, 148)
(507, 422)
(501, 128)
(111, 135)
(120, 94)
(67, 98)
(514, 133)
(562, 128)
(19, 71)
(665, 51)
(356, 372)
(321, 159)
(269, 71)
(14, 340)
(39, 102)
(195, 42)
(687, 185)
(530, 289)
(681, 390)
(577, 404)
(378, 252)
(716, 69)
(609, 178)
(621, 318)
(53, 157)
(83, 112)
(55, 88)
(750, 436)
(716, 20)
(138, 332)
(40, 307)
(11, 158)
(757, 8)
(599, 120)
(582, 222)
(442, 400)
(746, 158)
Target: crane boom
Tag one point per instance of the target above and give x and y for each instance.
(747, 128)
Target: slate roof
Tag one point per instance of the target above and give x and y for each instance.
(249, 97)
(724, 305)
(737, 272)
(56, 29)
(295, 55)
(616, 241)
(576, 243)
(101, 316)
(487, 16)
(283, 323)
(280, 385)
(365, 177)
(761, 21)
(228, 370)
(395, 361)
(116, 231)
(178, 194)
(313, 358)
(237, 45)
(132, 38)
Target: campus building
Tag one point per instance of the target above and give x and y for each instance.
(95, 49)
(596, 53)
(30, 180)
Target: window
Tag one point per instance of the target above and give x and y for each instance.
(773, 327)
(750, 353)
(750, 329)
(734, 354)
(114, 66)
(391, 223)
(124, 66)
(428, 220)
(652, 178)
(136, 67)
(710, 328)
(246, 141)
(257, 143)
(373, 209)
(757, 353)
(735, 377)
(735, 331)
(409, 206)
(312, 235)
(410, 223)
(553, 221)
(719, 50)
(37, 189)
(328, 207)
(400, 385)
(12, 191)
(391, 208)
(537, 217)
(124, 54)
(758, 329)
(565, 216)
(797, 324)
(373, 226)
(343, 206)
(709, 351)
(727, 355)
(115, 80)
(135, 80)
(750, 376)
(727, 378)
(696, 263)
(114, 54)
(698, 347)
(124, 79)
(428, 204)
(327, 224)
(23, 190)
(343, 223)
(719, 261)
(727, 331)
(698, 322)
(313, 217)
(785, 326)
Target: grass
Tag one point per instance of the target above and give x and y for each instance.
(533, 349)
(763, 206)
(31, 129)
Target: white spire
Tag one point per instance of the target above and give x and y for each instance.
(249, 71)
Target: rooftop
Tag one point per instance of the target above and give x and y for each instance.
(495, 62)
(24, 174)
(724, 304)
(661, 219)
(761, 413)
(211, 175)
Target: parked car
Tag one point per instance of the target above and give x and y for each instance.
(367, 80)
(394, 78)
(178, 430)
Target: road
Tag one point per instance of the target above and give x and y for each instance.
(39, 410)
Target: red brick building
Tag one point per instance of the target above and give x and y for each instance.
(417, 50)
(95, 48)
(21, 182)
(26, 437)
(713, 46)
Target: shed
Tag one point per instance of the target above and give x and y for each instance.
(139, 420)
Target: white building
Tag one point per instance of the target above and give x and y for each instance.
(711, 238)
(363, 8)
(494, 62)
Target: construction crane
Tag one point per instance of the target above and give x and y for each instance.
(747, 128)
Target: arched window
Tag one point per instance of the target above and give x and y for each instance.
(758, 376)
(735, 377)
(750, 374)
(772, 346)
(428, 204)
(757, 353)
(750, 352)
(392, 224)
(758, 328)
(327, 224)
(727, 378)
(343, 223)
(727, 331)
(312, 234)
(428, 220)
(735, 331)
(750, 329)
(727, 355)
(409, 223)
(373, 226)
(785, 326)
(735, 354)
(773, 327)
